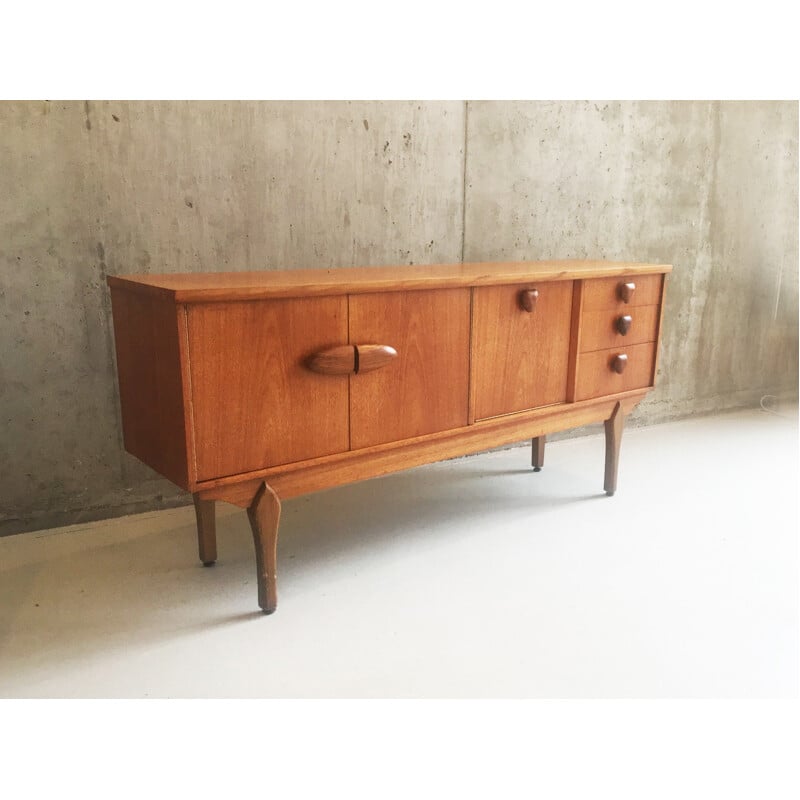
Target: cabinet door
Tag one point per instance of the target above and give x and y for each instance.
(425, 388)
(255, 403)
(519, 356)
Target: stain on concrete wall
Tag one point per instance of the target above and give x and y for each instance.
(95, 188)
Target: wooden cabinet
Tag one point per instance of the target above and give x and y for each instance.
(256, 387)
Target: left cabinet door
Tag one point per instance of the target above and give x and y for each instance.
(255, 404)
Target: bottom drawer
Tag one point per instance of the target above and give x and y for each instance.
(597, 377)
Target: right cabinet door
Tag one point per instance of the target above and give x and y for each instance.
(520, 347)
(424, 388)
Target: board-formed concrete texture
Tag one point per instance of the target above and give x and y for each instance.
(710, 187)
(89, 189)
(98, 188)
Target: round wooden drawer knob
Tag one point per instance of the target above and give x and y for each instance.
(619, 362)
(625, 291)
(624, 324)
(528, 298)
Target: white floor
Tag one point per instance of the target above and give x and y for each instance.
(470, 578)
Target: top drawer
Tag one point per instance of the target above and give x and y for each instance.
(601, 293)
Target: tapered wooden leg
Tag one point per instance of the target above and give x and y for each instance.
(537, 453)
(265, 514)
(206, 530)
(613, 427)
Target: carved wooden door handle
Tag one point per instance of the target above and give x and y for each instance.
(619, 362)
(624, 324)
(351, 358)
(334, 361)
(373, 356)
(625, 291)
(528, 298)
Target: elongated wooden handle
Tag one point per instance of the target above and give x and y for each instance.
(619, 362)
(335, 361)
(626, 291)
(528, 298)
(624, 324)
(373, 356)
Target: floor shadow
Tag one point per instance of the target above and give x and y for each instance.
(144, 587)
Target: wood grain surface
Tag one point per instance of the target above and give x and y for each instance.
(425, 388)
(291, 480)
(265, 515)
(613, 430)
(339, 360)
(596, 376)
(519, 358)
(147, 337)
(604, 292)
(373, 356)
(255, 401)
(599, 328)
(205, 513)
(223, 286)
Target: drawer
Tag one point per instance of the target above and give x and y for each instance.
(596, 376)
(601, 329)
(606, 292)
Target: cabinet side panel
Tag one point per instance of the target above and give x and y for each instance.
(664, 279)
(147, 342)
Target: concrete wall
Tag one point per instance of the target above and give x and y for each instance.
(90, 189)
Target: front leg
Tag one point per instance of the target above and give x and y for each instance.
(265, 514)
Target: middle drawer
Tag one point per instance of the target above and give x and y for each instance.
(605, 328)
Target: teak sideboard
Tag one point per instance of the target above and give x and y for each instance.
(252, 387)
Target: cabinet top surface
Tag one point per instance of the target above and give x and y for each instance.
(219, 286)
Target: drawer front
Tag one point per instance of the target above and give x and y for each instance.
(601, 330)
(608, 292)
(255, 404)
(520, 356)
(597, 378)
